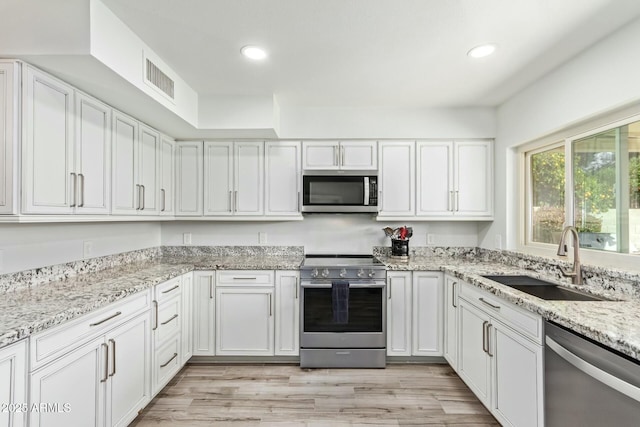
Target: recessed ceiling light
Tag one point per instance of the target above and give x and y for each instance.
(254, 52)
(482, 51)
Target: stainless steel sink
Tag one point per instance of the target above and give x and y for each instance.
(543, 289)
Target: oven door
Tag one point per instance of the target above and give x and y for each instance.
(365, 327)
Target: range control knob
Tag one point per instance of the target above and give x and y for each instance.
(361, 273)
(314, 273)
(372, 273)
(343, 272)
(325, 272)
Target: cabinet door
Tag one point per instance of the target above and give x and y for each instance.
(47, 146)
(474, 178)
(320, 155)
(9, 136)
(397, 178)
(287, 319)
(518, 375)
(129, 385)
(434, 191)
(187, 317)
(399, 314)
(218, 178)
(77, 380)
(167, 175)
(244, 322)
(427, 314)
(451, 321)
(474, 364)
(93, 155)
(282, 178)
(189, 192)
(149, 170)
(359, 155)
(203, 313)
(249, 178)
(13, 383)
(125, 199)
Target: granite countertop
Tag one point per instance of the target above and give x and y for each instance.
(27, 311)
(615, 324)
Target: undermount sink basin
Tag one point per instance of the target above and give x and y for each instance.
(543, 289)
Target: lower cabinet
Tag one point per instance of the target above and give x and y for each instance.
(450, 344)
(287, 313)
(13, 384)
(414, 313)
(500, 357)
(187, 317)
(203, 313)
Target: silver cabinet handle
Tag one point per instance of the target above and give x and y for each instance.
(489, 340)
(594, 372)
(171, 290)
(155, 322)
(74, 184)
(298, 202)
(450, 202)
(211, 289)
(341, 155)
(81, 177)
(457, 200)
(230, 201)
(335, 156)
(104, 320)
(170, 360)
(175, 316)
(296, 288)
(484, 336)
(138, 191)
(388, 288)
(453, 294)
(113, 357)
(379, 200)
(270, 309)
(235, 199)
(144, 194)
(106, 362)
(497, 307)
(245, 278)
(164, 199)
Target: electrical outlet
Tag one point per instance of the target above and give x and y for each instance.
(186, 238)
(431, 239)
(262, 238)
(87, 249)
(498, 241)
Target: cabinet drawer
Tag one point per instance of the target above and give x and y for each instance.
(168, 320)
(244, 278)
(166, 363)
(168, 289)
(523, 321)
(52, 343)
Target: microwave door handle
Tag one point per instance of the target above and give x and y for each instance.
(366, 191)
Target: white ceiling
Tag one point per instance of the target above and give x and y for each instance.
(392, 53)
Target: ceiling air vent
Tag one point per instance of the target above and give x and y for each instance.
(156, 77)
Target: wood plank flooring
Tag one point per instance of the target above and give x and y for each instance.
(287, 396)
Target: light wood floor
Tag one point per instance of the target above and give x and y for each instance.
(287, 396)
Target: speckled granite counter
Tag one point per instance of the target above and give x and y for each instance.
(27, 310)
(615, 324)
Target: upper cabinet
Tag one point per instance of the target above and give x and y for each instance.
(396, 182)
(9, 136)
(282, 178)
(328, 155)
(189, 177)
(167, 175)
(454, 179)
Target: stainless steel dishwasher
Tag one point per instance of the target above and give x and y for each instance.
(587, 384)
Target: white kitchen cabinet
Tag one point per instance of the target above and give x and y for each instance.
(47, 145)
(282, 178)
(396, 192)
(189, 178)
(110, 378)
(244, 313)
(399, 318)
(287, 313)
(455, 179)
(451, 321)
(187, 317)
(167, 175)
(328, 155)
(149, 170)
(13, 384)
(203, 313)
(427, 311)
(9, 135)
(249, 178)
(218, 179)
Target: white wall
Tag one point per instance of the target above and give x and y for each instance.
(319, 233)
(25, 246)
(595, 83)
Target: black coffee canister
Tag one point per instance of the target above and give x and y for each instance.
(399, 247)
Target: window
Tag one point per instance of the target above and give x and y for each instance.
(603, 173)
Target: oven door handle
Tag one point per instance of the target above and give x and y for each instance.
(351, 285)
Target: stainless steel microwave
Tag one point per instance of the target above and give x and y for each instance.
(339, 191)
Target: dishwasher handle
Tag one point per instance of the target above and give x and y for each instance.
(593, 371)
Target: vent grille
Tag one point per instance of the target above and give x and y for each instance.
(156, 77)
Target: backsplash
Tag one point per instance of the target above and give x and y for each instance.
(233, 250)
(427, 251)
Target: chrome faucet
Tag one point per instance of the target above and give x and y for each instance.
(576, 272)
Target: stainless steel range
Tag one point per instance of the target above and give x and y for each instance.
(343, 312)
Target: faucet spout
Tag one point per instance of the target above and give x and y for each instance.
(576, 272)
